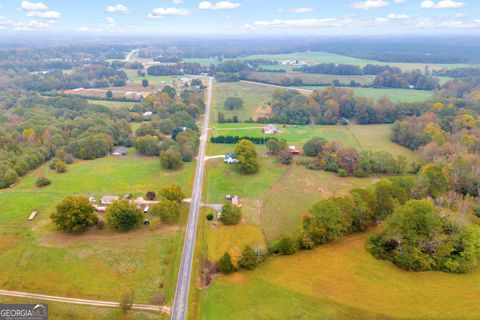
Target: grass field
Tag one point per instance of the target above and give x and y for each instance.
(255, 99)
(113, 104)
(100, 264)
(153, 80)
(58, 310)
(396, 95)
(309, 78)
(362, 137)
(325, 57)
(340, 281)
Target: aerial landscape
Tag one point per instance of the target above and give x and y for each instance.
(240, 159)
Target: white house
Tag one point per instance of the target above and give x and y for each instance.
(230, 158)
(148, 114)
(270, 129)
(108, 200)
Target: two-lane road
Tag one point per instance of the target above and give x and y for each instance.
(180, 304)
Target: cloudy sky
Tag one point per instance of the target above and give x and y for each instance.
(248, 17)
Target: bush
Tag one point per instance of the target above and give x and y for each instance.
(225, 264)
(167, 210)
(210, 216)
(42, 182)
(150, 195)
(287, 246)
(172, 193)
(60, 166)
(248, 259)
(74, 214)
(231, 214)
(285, 157)
(342, 173)
(232, 103)
(123, 216)
(171, 159)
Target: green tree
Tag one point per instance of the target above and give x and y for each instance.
(172, 93)
(285, 157)
(314, 146)
(248, 259)
(436, 181)
(324, 222)
(74, 214)
(145, 83)
(7, 177)
(60, 166)
(231, 214)
(173, 193)
(225, 264)
(287, 246)
(147, 145)
(171, 159)
(109, 94)
(42, 182)
(247, 156)
(274, 146)
(167, 210)
(232, 103)
(123, 216)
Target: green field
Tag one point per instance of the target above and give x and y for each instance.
(325, 57)
(396, 95)
(362, 137)
(153, 80)
(99, 264)
(340, 281)
(308, 78)
(255, 99)
(113, 104)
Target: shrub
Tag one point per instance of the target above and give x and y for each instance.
(231, 214)
(210, 216)
(171, 159)
(225, 264)
(150, 195)
(248, 259)
(342, 173)
(172, 193)
(167, 210)
(287, 246)
(42, 182)
(60, 166)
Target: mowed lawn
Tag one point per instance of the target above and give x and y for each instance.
(255, 99)
(340, 281)
(362, 137)
(100, 264)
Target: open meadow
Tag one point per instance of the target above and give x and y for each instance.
(101, 263)
(340, 280)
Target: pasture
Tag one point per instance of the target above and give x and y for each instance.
(255, 99)
(112, 104)
(101, 263)
(362, 137)
(308, 78)
(311, 57)
(340, 281)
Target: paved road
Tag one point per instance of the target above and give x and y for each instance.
(180, 305)
(95, 303)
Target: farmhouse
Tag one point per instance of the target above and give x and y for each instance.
(108, 200)
(230, 158)
(293, 150)
(270, 129)
(120, 152)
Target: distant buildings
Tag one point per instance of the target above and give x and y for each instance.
(108, 200)
(270, 129)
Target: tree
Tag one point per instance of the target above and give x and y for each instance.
(324, 222)
(225, 264)
(171, 159)
(109, 94)
(231, 214)
(60, 166)
(171, 92)
(232, 103)
(167, 210)
(7, 177)
(123, 216)
(74, 214)
(147, 145)
(436, 181)
(314, 146)
(274, 146)
(285, 157)
(248, 259)
(166, 126)
(145, 83)
(172, 193)
(246, 156)
(150, 195)
(287, 246)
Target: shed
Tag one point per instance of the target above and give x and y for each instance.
(107, 200)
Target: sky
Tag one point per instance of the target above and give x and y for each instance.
(241, 17)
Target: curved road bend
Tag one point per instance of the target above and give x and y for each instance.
(180, 304)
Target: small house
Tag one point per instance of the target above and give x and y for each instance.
(92, 199)
(120, 152)
(270, 129)
(293, 150)
(108, 200)
(235, 200)
(147, 113)
(230, 158)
